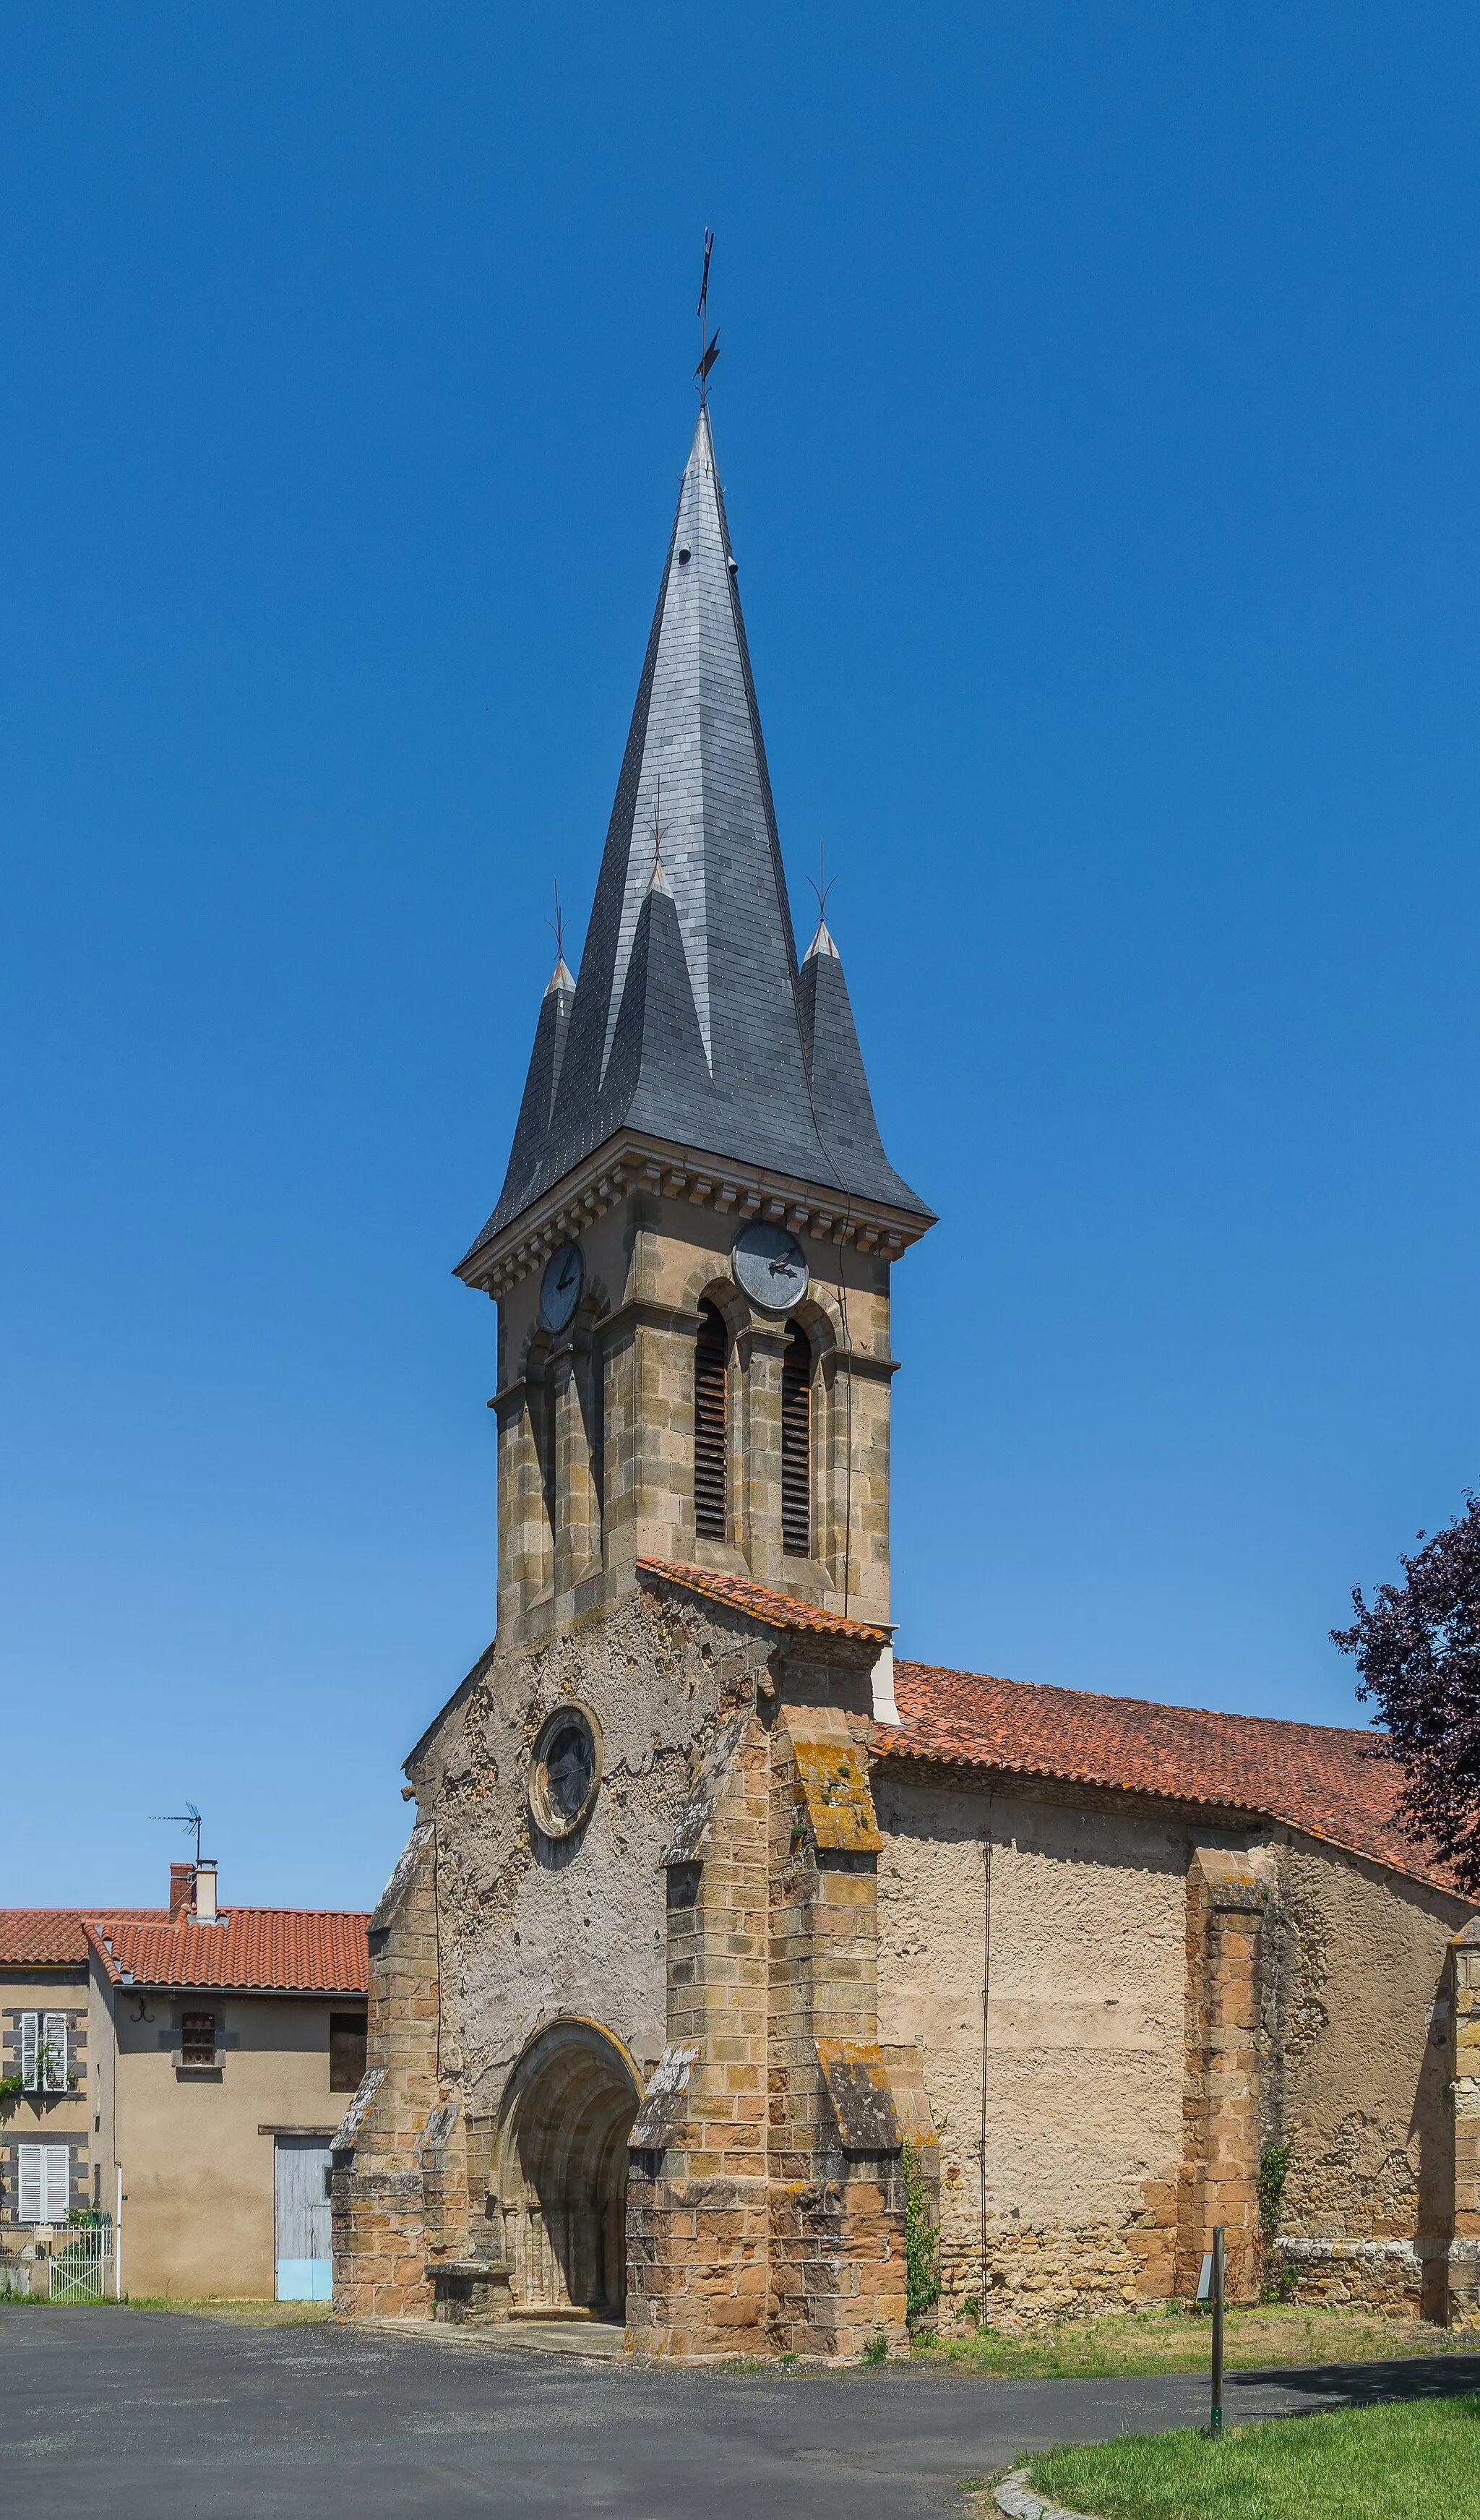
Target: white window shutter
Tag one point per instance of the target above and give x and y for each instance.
(29, 2180)
(58, 2187)
(28, 2050)
(56, 2051)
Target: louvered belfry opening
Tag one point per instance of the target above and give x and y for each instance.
(797, 1445)
(710, 1426)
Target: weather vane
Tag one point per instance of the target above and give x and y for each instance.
(706, 357)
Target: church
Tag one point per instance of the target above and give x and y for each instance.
(725, 1932)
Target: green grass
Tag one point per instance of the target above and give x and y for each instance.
(1377, 2463)
(1178, 2339)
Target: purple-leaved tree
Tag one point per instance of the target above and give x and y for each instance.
(1417, 1648)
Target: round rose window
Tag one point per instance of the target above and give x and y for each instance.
(567, 1771)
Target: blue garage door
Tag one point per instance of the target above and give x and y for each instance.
(300, 2202)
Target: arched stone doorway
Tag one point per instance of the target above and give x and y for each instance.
(561, 2170)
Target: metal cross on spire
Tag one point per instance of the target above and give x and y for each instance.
(822, 887)
(706, 357)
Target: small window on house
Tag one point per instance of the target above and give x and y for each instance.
(197, 2038)
(54, 2051)
(43, 2051)
(710, 1414)
(797, 1444)
(43, 2183)
(347, 2051)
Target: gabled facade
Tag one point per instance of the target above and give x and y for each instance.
(716, 1926)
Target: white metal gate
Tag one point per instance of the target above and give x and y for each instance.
(82, 2265)
(302, 2219)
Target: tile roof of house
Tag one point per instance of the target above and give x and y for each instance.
(293, 1951)
(288, 1951)
(57, 1937)
(1317, 1777)
(758, 1602)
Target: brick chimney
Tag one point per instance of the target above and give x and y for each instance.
(182, 1883)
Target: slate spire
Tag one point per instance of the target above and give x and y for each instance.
(690, 1020)
(842, 1106)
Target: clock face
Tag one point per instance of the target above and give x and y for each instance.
(772, 1267)
(560, 1286)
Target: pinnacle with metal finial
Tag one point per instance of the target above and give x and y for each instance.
(560, 978)
(822, 942)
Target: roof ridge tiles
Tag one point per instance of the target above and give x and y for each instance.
(1143, 1705)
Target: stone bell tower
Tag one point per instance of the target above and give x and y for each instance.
(690, 1252)
(623, 2053)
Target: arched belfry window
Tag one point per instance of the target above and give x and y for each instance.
(797, 1444)
(710, 1426)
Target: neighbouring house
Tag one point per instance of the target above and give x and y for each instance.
(712, 1905)
(197, 2056)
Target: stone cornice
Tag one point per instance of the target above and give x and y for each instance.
(631, 1162)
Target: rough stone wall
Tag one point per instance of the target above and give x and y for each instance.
(1082, 2094)
(530, 1928)
(1365, 2098)
(765, 2212)
(1356, 2073)
(837, 2272)
(387, 2227)
(497, 1931)
(1227, 1894)
(697, 2208)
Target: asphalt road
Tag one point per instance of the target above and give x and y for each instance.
(152, 2415)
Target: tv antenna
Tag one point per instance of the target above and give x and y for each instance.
(706, 357)
(189, 1819)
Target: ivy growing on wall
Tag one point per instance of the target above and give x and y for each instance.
(921, 2242)
(1274, 2162)
(1280, 2275)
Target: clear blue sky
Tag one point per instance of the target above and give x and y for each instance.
(1098, 411)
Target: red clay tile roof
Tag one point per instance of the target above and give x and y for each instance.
(293, 1951)
(1312, 1776)
(760, 1602)
(56, 1937)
